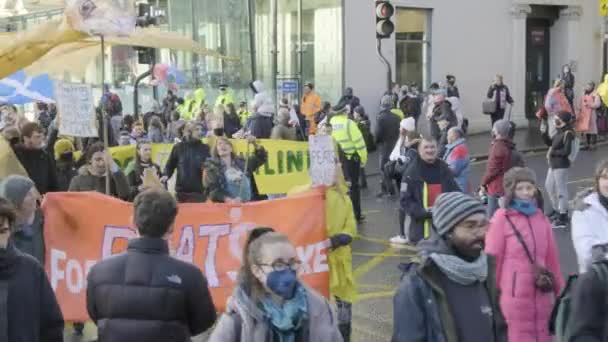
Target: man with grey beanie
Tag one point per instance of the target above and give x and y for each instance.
(499, 162)
(451, 294)
(387, 134)
(28, 233)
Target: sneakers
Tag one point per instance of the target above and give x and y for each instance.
(399, 240)
(561, 221)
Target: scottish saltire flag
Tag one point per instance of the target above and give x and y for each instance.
(20, 88)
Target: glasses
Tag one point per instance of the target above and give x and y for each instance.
(279, 266)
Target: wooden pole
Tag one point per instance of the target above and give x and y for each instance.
(104, 115)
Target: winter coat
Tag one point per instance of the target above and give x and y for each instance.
(458, 159)
(85, 181)
(589, 227)
(526, 309)
(560, 147)
(40, 167)
(452, 91)
(244, 321)
(412, 192)
(214, 178)
(29, 310)
(283, 132)
(31, 242)
(387, 132)
(501, 95)
(261, 125)
(147, 295)
(232, 123)
(499, 162)
(65, 173)
(556, 102)
(586, 120)
(188, 158)
(262, 101)
(134, 173)
(589, 315)
(421, 308)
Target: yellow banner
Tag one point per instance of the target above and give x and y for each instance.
(287, 165)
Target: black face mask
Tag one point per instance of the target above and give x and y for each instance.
(14, 141)
(67, 157)
(218, 132)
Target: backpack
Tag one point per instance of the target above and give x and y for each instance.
(575, 149)
(517, 159)
(559, 322)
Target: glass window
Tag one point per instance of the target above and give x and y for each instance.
(412, 34)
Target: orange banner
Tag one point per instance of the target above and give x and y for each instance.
(83, 228)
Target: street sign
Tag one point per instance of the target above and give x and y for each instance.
(289, 87)
(604, 8)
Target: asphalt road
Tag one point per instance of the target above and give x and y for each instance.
(376, 262)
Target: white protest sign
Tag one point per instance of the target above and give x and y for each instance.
(322, 160)
(75, 109)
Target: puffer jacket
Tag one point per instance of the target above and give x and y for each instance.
(499, 162)
(245, 322)
(589, 226)
(526, 309)
(188, 157)
(85, 181)
(422, 309)
(147, 295)
(560, 147)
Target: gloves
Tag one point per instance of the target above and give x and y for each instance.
(340, 240)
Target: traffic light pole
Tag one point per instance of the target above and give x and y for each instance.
(389, 71)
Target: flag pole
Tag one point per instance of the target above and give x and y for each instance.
(103, 112)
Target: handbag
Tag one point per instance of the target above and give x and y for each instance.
(488, 106)
(544, 280)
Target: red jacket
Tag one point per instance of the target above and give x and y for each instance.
(499, 162)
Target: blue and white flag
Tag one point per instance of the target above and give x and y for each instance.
(20, 88)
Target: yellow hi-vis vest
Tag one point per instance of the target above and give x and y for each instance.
(349, 137)
(398, 112)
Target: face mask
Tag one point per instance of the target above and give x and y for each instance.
(218, 132)
(527, 208)
(282, 283)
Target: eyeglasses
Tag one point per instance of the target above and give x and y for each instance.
(279, 266)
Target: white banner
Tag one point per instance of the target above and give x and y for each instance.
(76, 110)
(322, 160)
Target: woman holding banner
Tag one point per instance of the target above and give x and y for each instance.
(142, 170)
(229, 178)
(270, 303)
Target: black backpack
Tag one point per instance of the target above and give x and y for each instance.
(517, 159)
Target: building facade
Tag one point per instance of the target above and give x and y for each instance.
(527, 41)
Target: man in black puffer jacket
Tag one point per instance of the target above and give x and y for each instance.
(145, 294)
(188, 157)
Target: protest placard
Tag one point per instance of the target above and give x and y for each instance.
(322, 160)
(76, 109)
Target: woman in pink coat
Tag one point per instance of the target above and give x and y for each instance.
(586, 120)
(526, 308)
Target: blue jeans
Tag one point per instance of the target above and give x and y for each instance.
(492, 205)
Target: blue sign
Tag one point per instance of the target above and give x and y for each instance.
(289, 87)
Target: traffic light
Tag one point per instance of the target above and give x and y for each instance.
(384, 25)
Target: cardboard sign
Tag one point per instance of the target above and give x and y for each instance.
(76, 109)
(322, 160)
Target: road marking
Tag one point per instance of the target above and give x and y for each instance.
(357, 328)
(373, 262)
(371, 212)
(364, 254)
(386, 243)
(372, 295)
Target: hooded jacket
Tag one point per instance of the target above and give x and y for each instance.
(499, 162)
(560, 147)
(29, 310)
(421, 308)
(526, 309)
(147, 295)
(458, 159)
(589, 226)
(245, 322)
(262, 101)
(85, 181)
(188, 158)
(387, 132)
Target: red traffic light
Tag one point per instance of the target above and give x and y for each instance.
(384, 26)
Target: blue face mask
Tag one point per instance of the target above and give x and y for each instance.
(282, 283)
(525, 207)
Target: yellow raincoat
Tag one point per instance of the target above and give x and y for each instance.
(339, 219)
(602, 90)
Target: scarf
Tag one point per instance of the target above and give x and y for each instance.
(286, 320)
(527, 208)
(461, 271)
(603, 200)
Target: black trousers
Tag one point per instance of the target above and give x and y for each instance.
(190, 197)
(498, 115)
(352, 170)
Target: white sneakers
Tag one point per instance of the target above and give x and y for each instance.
(399, 240)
